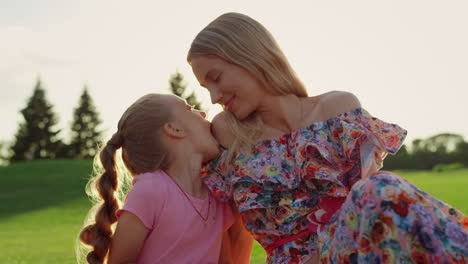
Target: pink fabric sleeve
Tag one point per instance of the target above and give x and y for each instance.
(145, 201)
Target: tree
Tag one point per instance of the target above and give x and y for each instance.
(178, 87)
(402, 160)
(438, 149)
(36, 137)
(461, 153)
(85, 136)
(441, 149)
(443, 143)
(4, 152)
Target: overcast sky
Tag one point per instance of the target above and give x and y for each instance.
(407, 61)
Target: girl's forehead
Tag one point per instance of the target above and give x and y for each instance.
(171, 100)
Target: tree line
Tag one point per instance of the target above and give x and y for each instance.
(37, 136)
(439, 152)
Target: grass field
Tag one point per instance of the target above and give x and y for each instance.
(42, 205)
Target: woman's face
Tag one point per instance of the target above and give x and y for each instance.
(197, 130)
(231, 86)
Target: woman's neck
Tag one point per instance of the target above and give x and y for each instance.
(281, 113)
(184, 169)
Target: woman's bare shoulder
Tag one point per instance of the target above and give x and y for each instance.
(330, 104)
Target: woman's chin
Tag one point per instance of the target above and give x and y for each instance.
(241, 115)
(238, 116)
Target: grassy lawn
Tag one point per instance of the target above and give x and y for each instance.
(450, 187)
(43, 205)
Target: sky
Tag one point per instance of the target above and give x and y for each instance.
(407, 61)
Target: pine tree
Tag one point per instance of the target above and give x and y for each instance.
(178, 87)
(85, 136)
(36, 137)
(4, 153)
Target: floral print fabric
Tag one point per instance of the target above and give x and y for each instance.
(386, 219)
(295, 191)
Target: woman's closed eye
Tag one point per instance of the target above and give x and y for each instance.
(218, 78)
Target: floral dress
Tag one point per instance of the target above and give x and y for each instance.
(303, 193)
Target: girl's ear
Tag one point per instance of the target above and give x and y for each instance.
(174, 130)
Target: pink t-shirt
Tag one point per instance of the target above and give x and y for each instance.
(177, 232)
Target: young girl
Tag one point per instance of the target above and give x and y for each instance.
(169, 216)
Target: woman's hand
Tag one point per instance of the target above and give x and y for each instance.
(372, 157)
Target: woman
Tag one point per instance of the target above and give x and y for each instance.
(304, 171)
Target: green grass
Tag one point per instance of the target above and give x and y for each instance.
(43, 204)
(42, 207)
(450, 186)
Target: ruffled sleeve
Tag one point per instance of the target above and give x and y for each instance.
(366, 140)
(359, 128)
(217, 175)
(337, 152)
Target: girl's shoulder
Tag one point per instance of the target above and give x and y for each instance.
(151, 183)
(221, 130)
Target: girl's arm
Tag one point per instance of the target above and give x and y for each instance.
(237, 243)
(127, 240)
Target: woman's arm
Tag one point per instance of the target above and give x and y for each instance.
(127, 240)
(372, 157)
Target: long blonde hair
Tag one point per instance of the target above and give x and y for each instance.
(137, 139)
(241, 40)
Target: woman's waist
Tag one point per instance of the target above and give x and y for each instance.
(271, 236)
(271, 239)
(273, 227)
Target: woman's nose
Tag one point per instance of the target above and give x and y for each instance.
(203, 114)
(215, 95)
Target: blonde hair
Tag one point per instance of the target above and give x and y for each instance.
(241, 40)
(142, 150)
